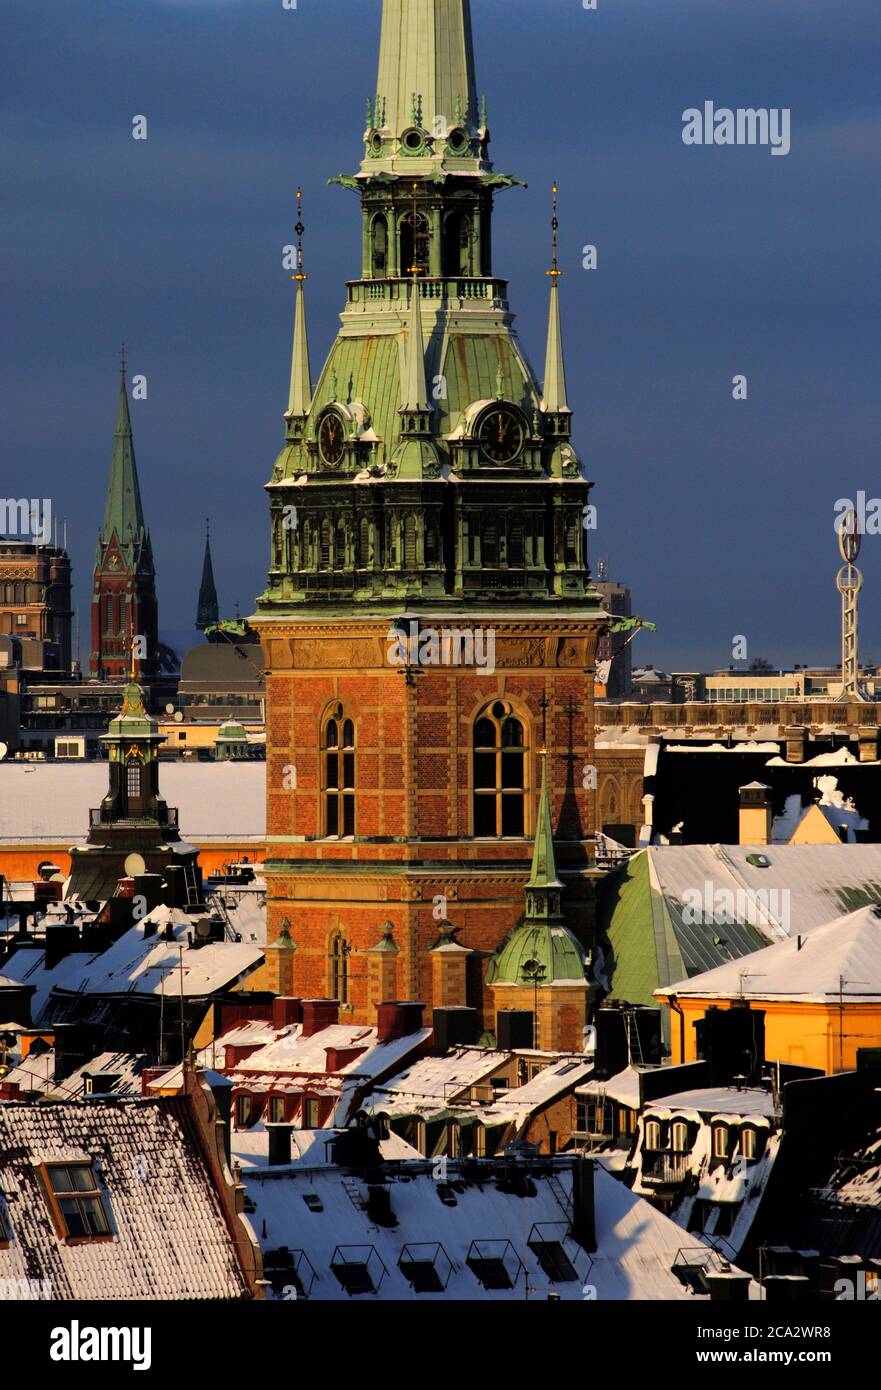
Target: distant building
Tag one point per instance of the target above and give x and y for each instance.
(615, 648)
(207, 611)
(35, 597)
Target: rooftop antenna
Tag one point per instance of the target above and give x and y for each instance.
(849, 581)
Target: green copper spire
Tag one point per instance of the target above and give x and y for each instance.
(426, 64)
(544, 866)
(123, 512)
(555, 401)
(208, 612)
(300, 396)
(414, 394)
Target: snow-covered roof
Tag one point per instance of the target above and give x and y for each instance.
(819, 882)
(139, 964)
(250, 1147)
(623, 1088)
(841, 960)
(49, 802)
(35, 1073)
(716, 1100)
(170, 1238)
(636, 1245)
(27, 966)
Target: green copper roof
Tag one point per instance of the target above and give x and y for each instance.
(123, 513)
(555, 948)
(133, 721)
(427, 53)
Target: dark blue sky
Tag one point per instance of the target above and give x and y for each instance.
(711, 262)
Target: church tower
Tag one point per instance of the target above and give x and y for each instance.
(208, 609)
(124, 589)
(429, 622)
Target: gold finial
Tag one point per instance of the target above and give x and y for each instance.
(555, 272)
(299, 229)
(134, 639)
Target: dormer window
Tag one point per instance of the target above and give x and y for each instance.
(721, 1141)
(652, 1135)
(77, 1205)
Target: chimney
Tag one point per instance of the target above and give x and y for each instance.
(175, 886)
(60, 942)
(756, 814)
(397, 1020)
(318, 1014)
(454, 1027)
(796, 739)
(286, 1011)
(583, 1214)
(149, 887)
(868, 736)
(279, 1143)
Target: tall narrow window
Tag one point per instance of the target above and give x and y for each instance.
(499, 773)
(133, 780)
(324, 562)
(339, 968)
(364, 543)
(340, 560)
(571, 541)
(516, 544)
(339, 777)
(410, 543)
(380, 247)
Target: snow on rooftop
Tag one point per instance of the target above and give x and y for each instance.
(50, 801)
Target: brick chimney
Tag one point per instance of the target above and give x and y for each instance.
(318, 1014)
(398, 1020)
(286, 1011)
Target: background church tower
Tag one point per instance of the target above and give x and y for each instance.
(124, 588)
(208, 609)
(429, 622)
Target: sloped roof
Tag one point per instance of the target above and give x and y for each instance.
(841, 960)
(170, 1237)
(636, 1245)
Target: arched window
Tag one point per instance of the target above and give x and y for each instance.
(340, 951)
(307, 545)
(680, 1137)
(339, 777)
(340, 559)
(431, 551)
(720, 1141)
(419, 250)
(108, 614)
(379, 243)
(499, 773)
(457, 244)
(652, 1135)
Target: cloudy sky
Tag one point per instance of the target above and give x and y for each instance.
(713, 262)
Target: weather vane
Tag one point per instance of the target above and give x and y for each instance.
(555, 272)
(299, 229)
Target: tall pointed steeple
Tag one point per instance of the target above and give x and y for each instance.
(426, 67)
(124, 609)
(123, 512)
(300, 396)
(208, 612)
(555, 400)
(543, 887)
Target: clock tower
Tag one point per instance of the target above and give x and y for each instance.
(429, 624)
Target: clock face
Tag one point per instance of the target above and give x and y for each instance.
(332, 440)
(501, 435)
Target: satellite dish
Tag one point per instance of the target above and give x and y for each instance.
(169, 709)
(178, 716)
(4, 749)
(134, 865)
(203, 928)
